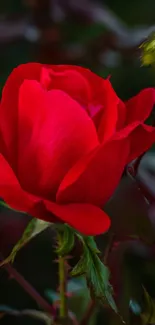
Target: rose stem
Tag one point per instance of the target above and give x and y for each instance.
(92, 304)
(62, 279)
(30, 290)
(63, 311)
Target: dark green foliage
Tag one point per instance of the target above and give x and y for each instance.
(67, 241)
(97, 274)
(148, 316)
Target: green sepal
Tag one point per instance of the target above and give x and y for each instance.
(67, 240)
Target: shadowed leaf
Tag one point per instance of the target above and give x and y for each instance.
(148, 316)
(67, 241)
(34, 227)
(97, 274)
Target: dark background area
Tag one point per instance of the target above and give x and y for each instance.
(60, 31)
(103, 36)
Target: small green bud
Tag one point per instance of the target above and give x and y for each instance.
(148, 50)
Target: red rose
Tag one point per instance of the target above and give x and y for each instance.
(65, 138)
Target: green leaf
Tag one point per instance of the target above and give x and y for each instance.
(34, 227)
(81, 267)
(97, 274)
(92, 244)
(148, 50)
(67, 240)
(148, 316)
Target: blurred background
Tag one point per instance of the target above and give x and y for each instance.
(104, 36)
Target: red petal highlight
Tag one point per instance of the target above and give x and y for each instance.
(55, 132)
(94, 180)
(9, 106)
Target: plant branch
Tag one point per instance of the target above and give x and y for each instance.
(88, 313)
(143, 189)
(30, 290)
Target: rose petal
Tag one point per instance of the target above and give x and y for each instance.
(96, 87)
(139, 107)
(9, 106)
(94, 179)
(96, 113)
(107, 126)
(95, 82)
(141, 139)
(86, 218)
(11, 191)
(54, 133)
(79, 216)
(15, 197)
(102, 98)
(140, 136)
(68, 80)
(121, 116)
